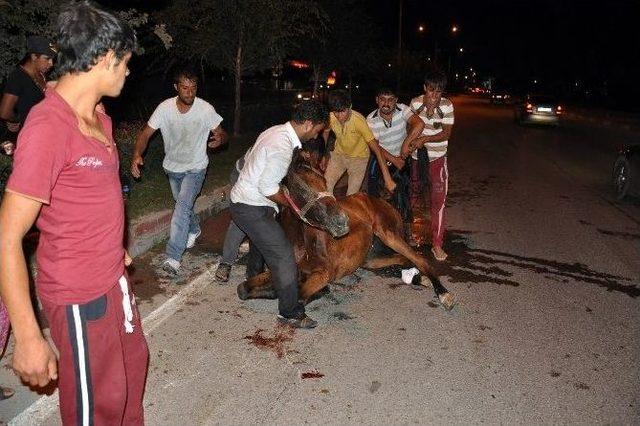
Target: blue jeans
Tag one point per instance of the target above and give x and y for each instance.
(185, 187)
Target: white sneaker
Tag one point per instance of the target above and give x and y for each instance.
(171, 266)
(191, 239)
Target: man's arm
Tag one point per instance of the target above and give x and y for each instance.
(142, 140)
(377, 151)
(442, 136)
(7, 105)
(33, 359)
(415, 126)
(218, 137)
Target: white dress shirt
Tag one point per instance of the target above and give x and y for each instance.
(265, 165)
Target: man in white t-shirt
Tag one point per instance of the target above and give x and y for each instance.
(437, 114)
(186, 123)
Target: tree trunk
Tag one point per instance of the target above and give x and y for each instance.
(316, 80)
(238, 88)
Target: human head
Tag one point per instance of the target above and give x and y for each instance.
(340, 105)
(40, 52)
(387, 100)
(310, 118)
(435, 82)
(90, 36)
(185, 82)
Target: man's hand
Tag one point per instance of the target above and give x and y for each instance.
(214, 140)
(35, 362)
(323, 163)
(218, 137)
(398, 162)
(8, 147)
(390, 185)
(136, 162)
(127, 259)
(13, 127)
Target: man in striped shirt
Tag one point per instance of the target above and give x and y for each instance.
(392, 124)
(437, 114)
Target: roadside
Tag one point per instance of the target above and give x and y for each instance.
(160, 297)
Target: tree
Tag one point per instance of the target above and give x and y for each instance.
(344, 42)
(239, 36)
(19, 19)
(22, 18)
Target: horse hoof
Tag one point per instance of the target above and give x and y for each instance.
(447, 300)
(243, 292)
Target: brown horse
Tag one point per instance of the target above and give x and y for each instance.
(323, 258)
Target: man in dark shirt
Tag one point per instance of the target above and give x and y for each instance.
(25, 87)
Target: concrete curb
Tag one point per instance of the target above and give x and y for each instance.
(146, 231)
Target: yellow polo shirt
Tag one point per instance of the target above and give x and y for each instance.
(352, 137)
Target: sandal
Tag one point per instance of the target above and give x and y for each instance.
(6, 393)
(439, 255)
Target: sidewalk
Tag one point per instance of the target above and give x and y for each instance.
(153, 292)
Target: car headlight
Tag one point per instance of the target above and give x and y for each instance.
(299, 95)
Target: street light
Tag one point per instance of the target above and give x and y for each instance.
(421, 28)
(454, 29)
(461, 50)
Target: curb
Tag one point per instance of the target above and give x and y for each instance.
(147, 231)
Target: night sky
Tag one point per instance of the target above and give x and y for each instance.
(575, 47)
(557, 42)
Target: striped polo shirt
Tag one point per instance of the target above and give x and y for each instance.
(442, 114)
(390, 134)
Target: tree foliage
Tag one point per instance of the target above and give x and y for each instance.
(22, 18)
(239, 36)
(19, 19)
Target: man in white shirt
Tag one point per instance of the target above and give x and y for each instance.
(437, 114)
(392, 124)
(254, 204)
(186, 123)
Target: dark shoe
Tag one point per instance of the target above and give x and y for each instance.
(303, 322)
(223, 271)
(6, 393)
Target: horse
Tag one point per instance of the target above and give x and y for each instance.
(332, 237)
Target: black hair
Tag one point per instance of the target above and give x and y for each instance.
(435, 78)
(86, 33)
(185, 73)
(339, 100)
(386, 91)
(311, 110)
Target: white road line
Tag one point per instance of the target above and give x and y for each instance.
(38, 412)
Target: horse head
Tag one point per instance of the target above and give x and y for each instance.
(309, 198)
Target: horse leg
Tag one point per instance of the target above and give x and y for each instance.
(257, 287)
(313, 284)
(385, 261)
(395, 242)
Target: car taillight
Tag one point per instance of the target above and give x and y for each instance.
(559, 110)
(529, 108)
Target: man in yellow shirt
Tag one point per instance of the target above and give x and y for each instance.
(354, 141)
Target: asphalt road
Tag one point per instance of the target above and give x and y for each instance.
(544, 264)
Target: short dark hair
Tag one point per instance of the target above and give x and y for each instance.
(185, 73)
(311, 110)
(385, 91)
(339, 100)
(435, 78)
(86, 33)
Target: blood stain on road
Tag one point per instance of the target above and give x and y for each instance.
(276, 343)
(313, 374)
